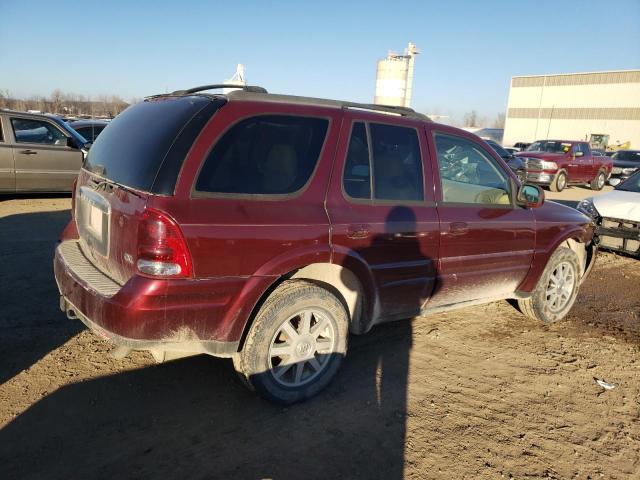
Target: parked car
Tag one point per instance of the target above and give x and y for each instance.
(89, 129)
(521, 145)
(266, 227)
(38, 153)
(617, 216)
(512, 150)
(625, 164)
(559, 163)
(515, 163)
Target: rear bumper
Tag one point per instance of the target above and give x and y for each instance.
(204, 315)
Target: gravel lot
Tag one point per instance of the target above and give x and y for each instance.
(481, 392)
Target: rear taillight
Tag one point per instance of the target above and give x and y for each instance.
(162, 250)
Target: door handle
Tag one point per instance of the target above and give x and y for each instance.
(358, 231)
(458, 228)
(29, 152)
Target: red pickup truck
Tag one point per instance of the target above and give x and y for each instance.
(558, 163)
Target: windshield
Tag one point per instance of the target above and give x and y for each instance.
(79, 138)
(627, 155)
(631, 184)
(549, 146)
(499, 150)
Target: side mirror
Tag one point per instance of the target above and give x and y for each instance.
(578, 154)
(71, 143)
(530, 196)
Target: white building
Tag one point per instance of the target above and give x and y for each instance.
(575, 106)
(394, 78)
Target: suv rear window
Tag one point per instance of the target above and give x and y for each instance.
(397, 164)
(132, 150)
(264, 155)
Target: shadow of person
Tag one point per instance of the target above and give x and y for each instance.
(402, 280)
(191, 419)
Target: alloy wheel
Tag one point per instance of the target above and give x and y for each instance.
(301, 348)
(560, 286)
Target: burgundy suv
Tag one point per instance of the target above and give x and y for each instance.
(265, 228)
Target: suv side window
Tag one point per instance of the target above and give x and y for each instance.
(27, 130)
(469, 174)
(357, 173)
(267, 154)
(395, 157)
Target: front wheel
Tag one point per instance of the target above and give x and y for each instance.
(559, 182)
(557, 288)
(296, 343)
(598, 182)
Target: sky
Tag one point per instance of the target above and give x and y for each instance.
(470, 49)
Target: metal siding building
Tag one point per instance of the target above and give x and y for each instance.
(574, 106)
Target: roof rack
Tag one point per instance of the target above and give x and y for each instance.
(392, 109)
(246, 88)
(246, 92)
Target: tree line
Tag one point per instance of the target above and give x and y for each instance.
(68, 104)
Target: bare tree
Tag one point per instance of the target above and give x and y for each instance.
(471, 119)
(499, 121)
(66, 102)
(56, 101)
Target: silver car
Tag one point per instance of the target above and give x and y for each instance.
(38, 153)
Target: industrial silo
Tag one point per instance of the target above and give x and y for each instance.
(394, 78)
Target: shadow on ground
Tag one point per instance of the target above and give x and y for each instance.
(31, 324)
(193, 419)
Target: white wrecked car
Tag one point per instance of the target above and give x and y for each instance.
(617, 216)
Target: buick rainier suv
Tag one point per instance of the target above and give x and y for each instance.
(266, 228)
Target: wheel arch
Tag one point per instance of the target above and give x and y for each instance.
(576, 240)
(354, 290)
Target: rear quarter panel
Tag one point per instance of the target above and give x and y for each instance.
(244, 236)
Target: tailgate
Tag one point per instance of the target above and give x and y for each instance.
(107, 219)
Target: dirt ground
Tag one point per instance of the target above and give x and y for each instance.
(476, 393)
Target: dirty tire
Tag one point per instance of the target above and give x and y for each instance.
(559, 183)
(538, 306)
(287, 304)
(598, 182)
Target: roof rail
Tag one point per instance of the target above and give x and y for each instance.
(246, 88)
(391, 109)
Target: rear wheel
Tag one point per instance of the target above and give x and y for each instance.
(598, 182)
(557, 288)
(559, 182)
(296, 343)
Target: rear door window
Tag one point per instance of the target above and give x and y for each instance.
(264, 155)
(397, 164)
(391, 170)
(357, 172)
(27, 130)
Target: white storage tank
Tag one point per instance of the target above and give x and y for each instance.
(394, 78)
